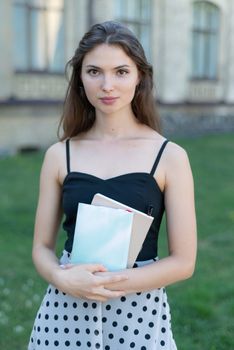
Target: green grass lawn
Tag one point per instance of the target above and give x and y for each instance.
(202, 307)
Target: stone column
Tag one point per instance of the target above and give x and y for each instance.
(229, 78)
(6, 49)
(158, 45)
(76, 24)
(103, 10)
(173, 57)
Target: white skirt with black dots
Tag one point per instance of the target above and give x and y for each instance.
(139, 321)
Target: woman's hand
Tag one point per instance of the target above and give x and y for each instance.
(80, 281)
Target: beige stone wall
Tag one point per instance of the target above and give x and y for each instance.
(174, 55)
(75, 23)
(171, 23)
(6, 73)
(103, 10)
(34, 86)
(27, 126)
(223, 88)
(173, 43)
(228, 66)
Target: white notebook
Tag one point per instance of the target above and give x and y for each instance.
(102, 235)
(140, 226)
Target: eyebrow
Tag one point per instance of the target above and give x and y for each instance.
(118, 67)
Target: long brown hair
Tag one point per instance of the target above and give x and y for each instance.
(78, 114)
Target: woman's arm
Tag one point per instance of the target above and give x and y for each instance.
(79, 280)
(181, 229)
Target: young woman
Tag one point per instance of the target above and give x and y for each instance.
(111, 144)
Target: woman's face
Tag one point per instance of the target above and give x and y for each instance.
(109, 77)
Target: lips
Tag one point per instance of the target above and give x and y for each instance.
(108, 99)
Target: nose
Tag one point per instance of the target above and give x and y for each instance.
(107, 84)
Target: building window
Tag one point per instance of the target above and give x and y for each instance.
(206, 22)
(38, 35)
(136, 14)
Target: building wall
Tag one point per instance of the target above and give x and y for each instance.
(172, 60)
(6, 73)
(220, 90)
(28, 126)
(228, 64)
(31, 103)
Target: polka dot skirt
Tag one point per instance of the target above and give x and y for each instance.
(138, 321)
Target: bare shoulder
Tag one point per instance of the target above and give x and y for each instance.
(54, 159)
(175, 154)
(55, 150)
(56, 153)
(177, 165)
(149, 134)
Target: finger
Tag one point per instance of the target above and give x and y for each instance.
(103, 293)
(66, 266)
(112, 279)
(96, 297)
(95, 268)
(109, 294)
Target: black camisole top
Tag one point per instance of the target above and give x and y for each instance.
(138, 190)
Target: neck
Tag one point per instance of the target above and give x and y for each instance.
(115, 126)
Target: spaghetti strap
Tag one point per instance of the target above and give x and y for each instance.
(68, 155)
(158, 157)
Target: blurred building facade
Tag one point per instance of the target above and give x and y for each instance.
(190, 44)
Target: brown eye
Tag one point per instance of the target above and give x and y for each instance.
(93, 72)
(122, 72)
